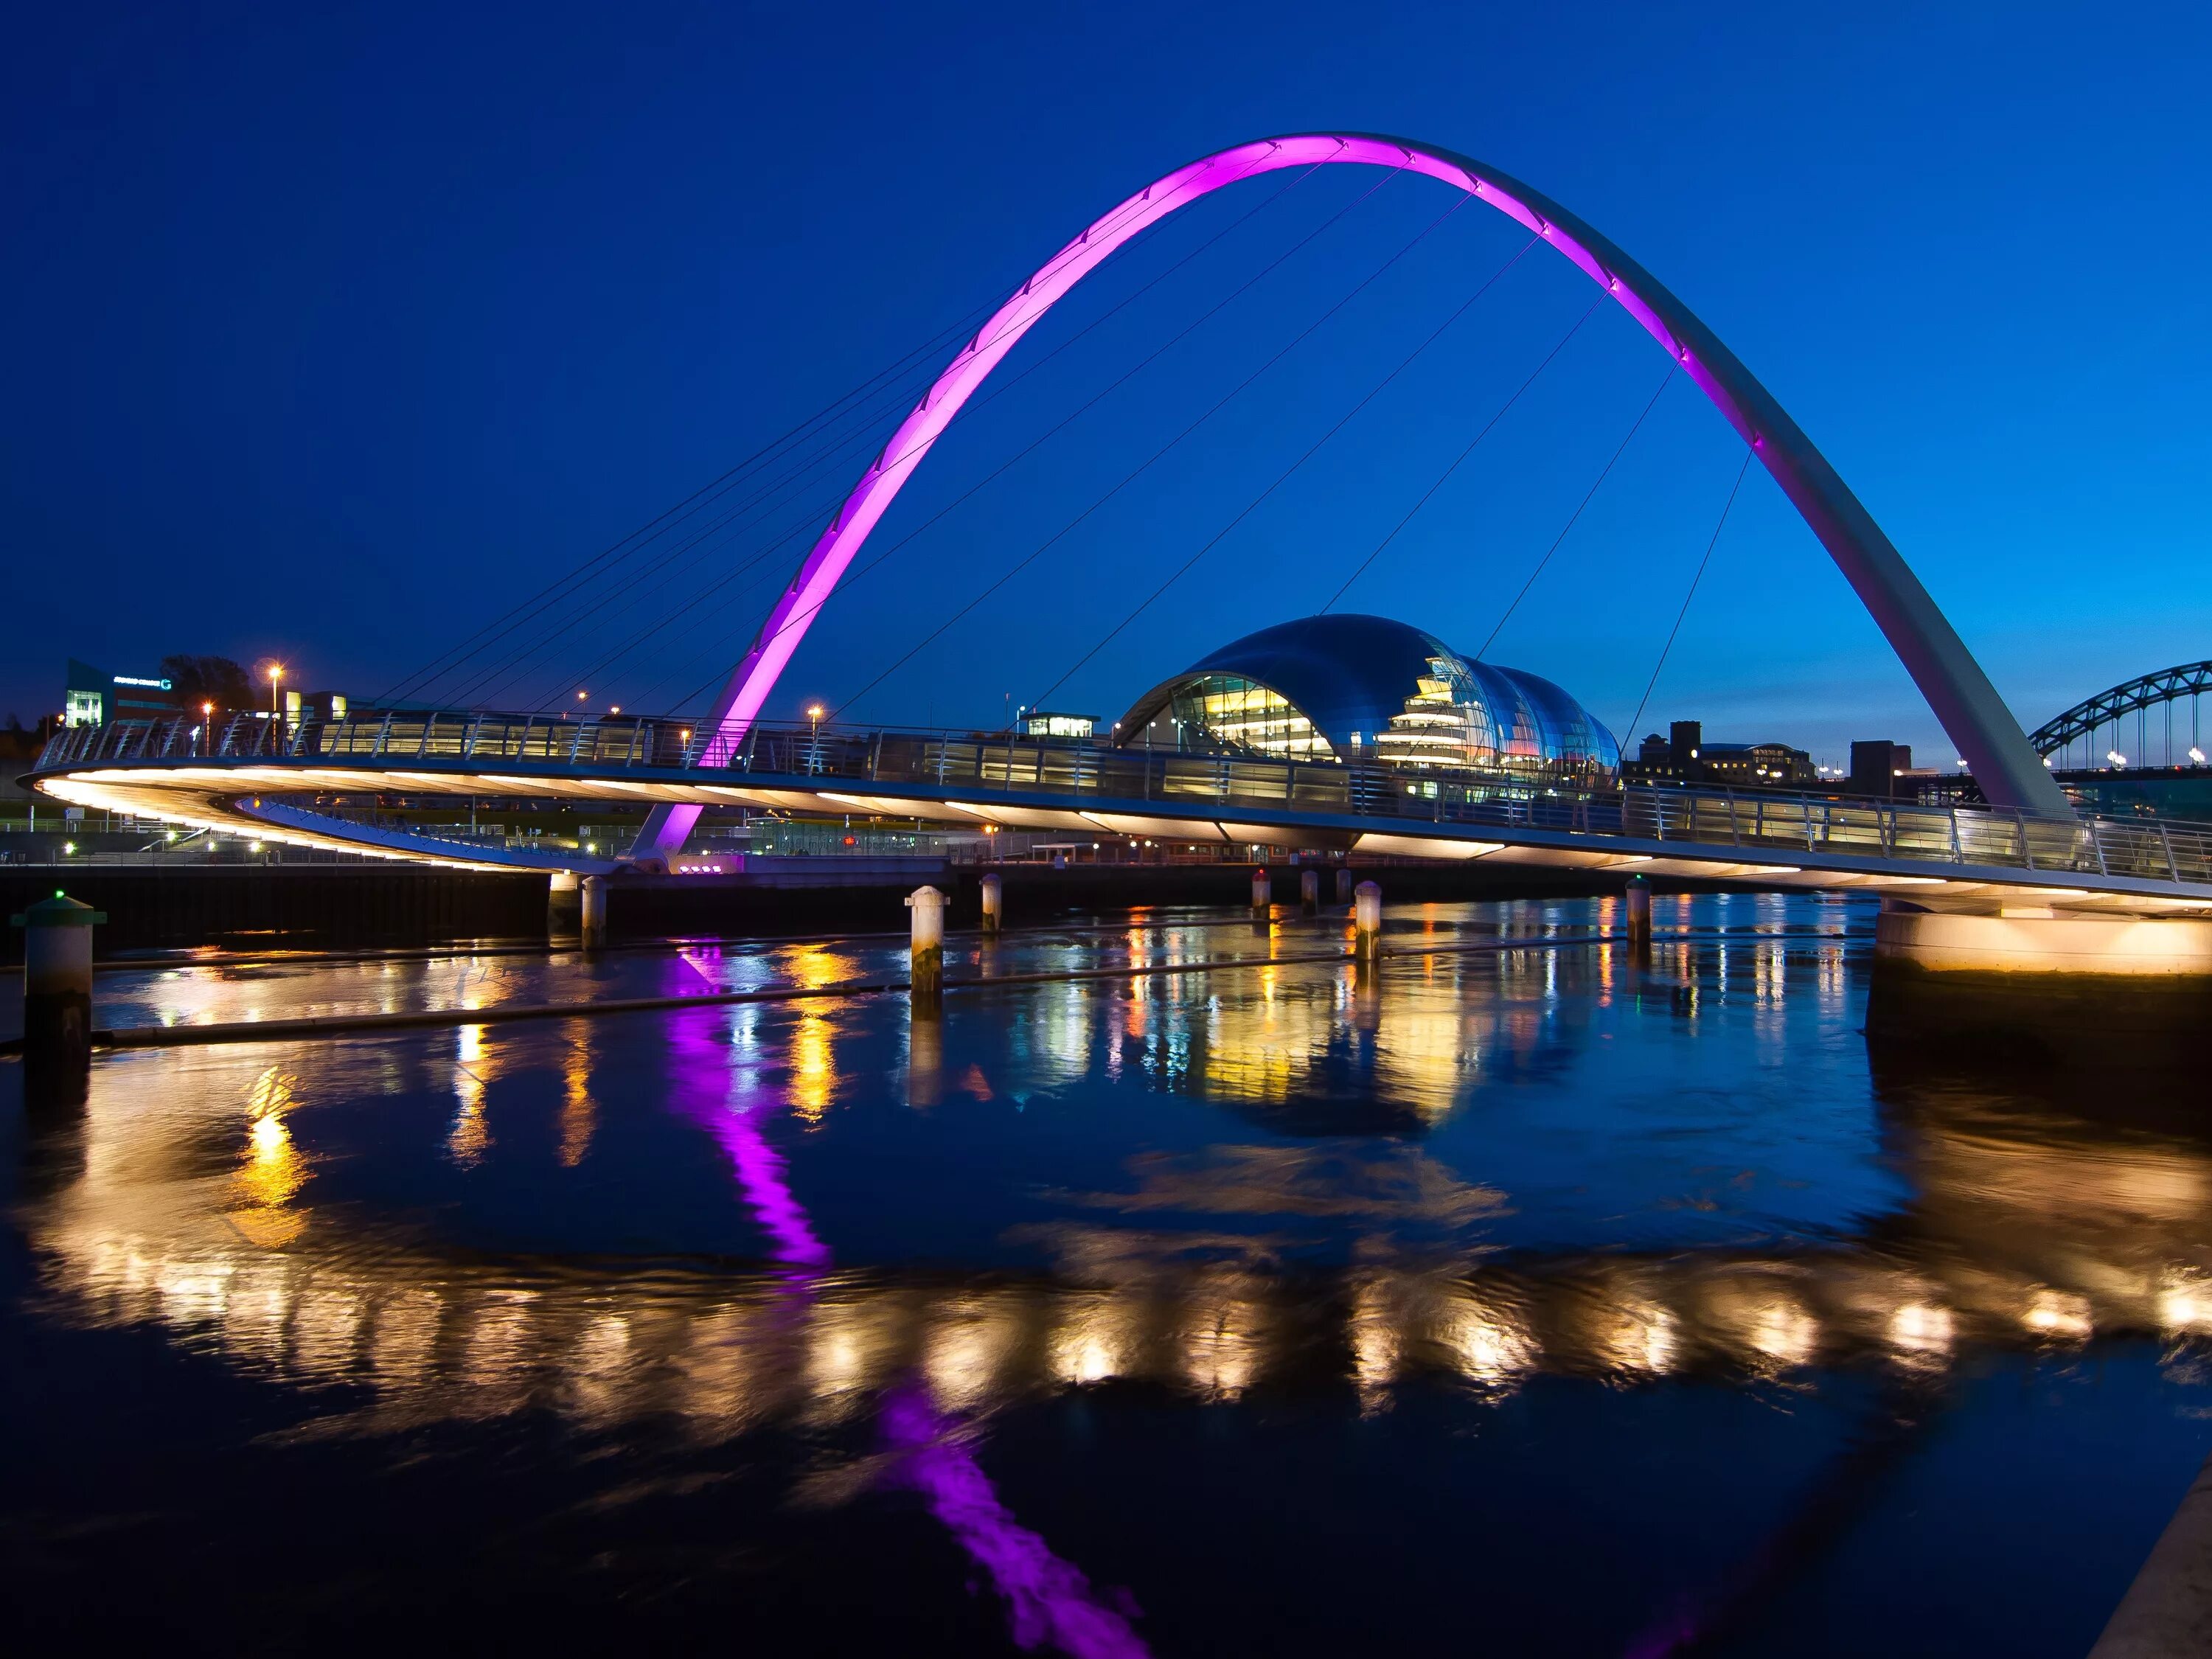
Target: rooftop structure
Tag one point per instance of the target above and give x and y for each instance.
(1684, 755)
(1370, 690)
(94, 696)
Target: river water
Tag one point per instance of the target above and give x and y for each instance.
(1516, 1299)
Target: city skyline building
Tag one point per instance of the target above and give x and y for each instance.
(1370, 691)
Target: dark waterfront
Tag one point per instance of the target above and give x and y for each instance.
(1526, 1300)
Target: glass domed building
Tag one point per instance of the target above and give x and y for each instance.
(1371, 692)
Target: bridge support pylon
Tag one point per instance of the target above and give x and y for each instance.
(58, 986)
(927, 950)
(1367, 923)
(1637, 900)
(564, 902)
(592, 911)
(2027, 981)
(2035, 939)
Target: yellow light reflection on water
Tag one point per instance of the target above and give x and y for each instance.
(469, 1138)
(1922, 1333)
(272, 1170)
(1491, 1343)
(1095, 1338)
(579, 1115)
(813, 1066)
(2185, 1304)
(2059, 1315)
(967, 1349)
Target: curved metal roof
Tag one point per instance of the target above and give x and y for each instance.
(1346, 674)
(1353, 673)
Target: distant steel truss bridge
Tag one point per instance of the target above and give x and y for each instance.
(2106, 714)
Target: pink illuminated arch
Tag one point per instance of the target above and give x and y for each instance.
(1956, 689)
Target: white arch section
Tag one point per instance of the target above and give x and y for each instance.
(1987, 735)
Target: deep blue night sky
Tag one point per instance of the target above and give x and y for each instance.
(334, 334)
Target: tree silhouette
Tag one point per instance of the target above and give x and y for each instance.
(217, 680)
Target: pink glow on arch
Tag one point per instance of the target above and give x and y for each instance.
(1956, 689)
(833, 554)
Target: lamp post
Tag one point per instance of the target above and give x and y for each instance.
(275, 709)
(207, 727)
(814, 737)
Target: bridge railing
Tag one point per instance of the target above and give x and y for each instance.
(1005, 768)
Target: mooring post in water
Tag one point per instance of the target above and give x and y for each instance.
(1344, 883)
(928, 974)
(1309, 891)
(58, 983)
(1263, 894)
(993, 903)
(1367, 922)
(1639, 914)
(592, 913)
(563, 897)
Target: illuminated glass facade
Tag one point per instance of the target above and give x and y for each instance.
(1246, 714)
(1372, 691)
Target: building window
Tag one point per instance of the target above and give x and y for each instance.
(1249, 715)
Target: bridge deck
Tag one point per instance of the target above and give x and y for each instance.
(1098, 790)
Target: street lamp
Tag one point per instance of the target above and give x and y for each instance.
(207, 727)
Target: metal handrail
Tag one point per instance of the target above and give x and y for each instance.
(1004, 764)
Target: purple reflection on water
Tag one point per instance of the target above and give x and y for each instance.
(760, 1173)
(1670, 1635)
(1046, 1599)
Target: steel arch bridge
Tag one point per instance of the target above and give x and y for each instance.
(1972, 715)
(2030, 839)
(2168, 685)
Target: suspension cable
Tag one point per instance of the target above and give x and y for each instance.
(1459, 459)
(801, 618)
(813, 512)
(1284, 478)
(1147, 464)
(1629, 733)
(790, 436)
(1588, 496)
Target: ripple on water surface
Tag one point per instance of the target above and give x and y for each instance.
(1612, 1308)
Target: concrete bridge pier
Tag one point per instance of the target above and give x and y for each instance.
(2031, 936)
(56, 991)
(1367, 923)
(1344, 883)
(564, 901)
(994, 905)
(926, 948)
(1638, 903)
(2032, 979)
(1309, 891)
(1263, 894)
(592, 911)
